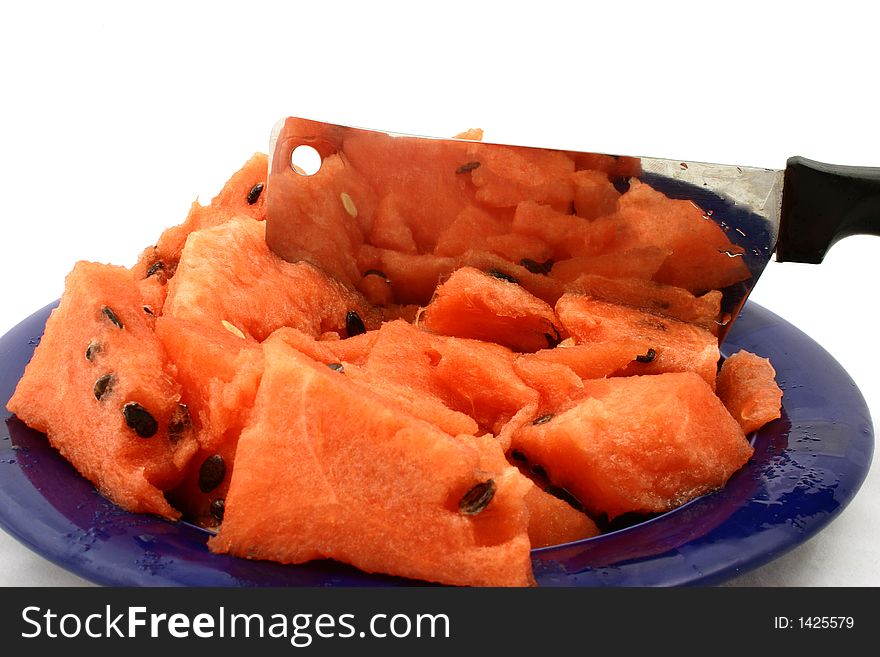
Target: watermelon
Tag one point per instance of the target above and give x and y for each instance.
(440, 337)
(747, 386)
(242, 195)
(101, 387)
(492, 307)
(569, 235)
(650, 296)
(382, 490)
(553, 521)
(653, 344)
(218, 372)
(228, 274)
(638, 444)
(594, 194)
(702, 257)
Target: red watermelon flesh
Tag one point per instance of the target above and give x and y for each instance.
(219, 373)
(101, 387)
(413, 278)
(568, 234)
(594, 194)
(380, 490)
(638, 444)
(228, 273)
(702, 258)
(591, 360)
(539, 284)
(665, 344)
(390, 229)
(479, 379)
(553, 521)
(471, 226)
(492, 308)
(653, 297)
(508, 175)
(243, 194)
(747, 386)
(351, 360)
(421, 176)
(323, 218)
(639, 262)
(555, 382)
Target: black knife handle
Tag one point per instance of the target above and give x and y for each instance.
(823, 203)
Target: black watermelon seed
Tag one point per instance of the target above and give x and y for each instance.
(148, 310)
(554, 338)
(254, 194)
(465, 168)
(539, 470)
(648, 357)
(537, 267)
(543, 419)
(495, 273)
(108, 312)
(218, 507)
(212, 473)
(93, 350)
(477, 498)
(155, 268)
(376, 272)
(103, 386)
(138, 418)
(354, 325)
(565, 496)
(621, 183)
(336, 367)
(180, 423)
(517, 455)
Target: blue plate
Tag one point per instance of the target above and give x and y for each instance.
(806, 468)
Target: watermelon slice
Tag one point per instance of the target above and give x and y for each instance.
(747, 386)
(491, 307)
(663, 344)
(242, 195)
(413, 502)
(228, 274)
(638, 444)
(100, 386)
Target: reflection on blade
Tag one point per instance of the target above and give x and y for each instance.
(679, 240)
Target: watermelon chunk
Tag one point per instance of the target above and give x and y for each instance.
(101, 388)
(747, 386)
(638, 444)
(653, 297)
(493, 308)
(702, 258)
(242, 195)
(594, 194)
(568, 234)
(664, 344)
(507, 175)
(228, 274)
(553, 521)
(218, 372)
(395, 508)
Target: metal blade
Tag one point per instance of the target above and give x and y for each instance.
(746, 202)
(312, 217)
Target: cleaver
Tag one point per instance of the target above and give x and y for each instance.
(410, 209)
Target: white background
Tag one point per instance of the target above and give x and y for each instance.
(115, 116)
